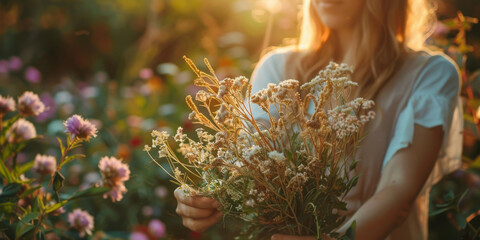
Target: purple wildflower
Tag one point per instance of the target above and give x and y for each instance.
(81, 221)
(80, 128)
(29, 104)
(21, 130)
(50, 107)
(15, 63)
(116, 192)
(138, 236)
(45, 164)
(114, 174)
(157, 228)
(33, 75)
(6, 105)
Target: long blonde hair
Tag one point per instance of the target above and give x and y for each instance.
(387, 30)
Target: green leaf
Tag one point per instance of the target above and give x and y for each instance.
(440, 211)
(353, 165)
(24, 167)
(11, 189)
(56, 206)
(460, 199)
(62, 148)
(443, 205)
(71, 158)
(9, 123)
(461, 220)
(6, 173)
(351, 184)
(7, 207)
(58, 182)
(23, 229)
(30, 217)
(89, 192)
(76, 144)
(7, 151)
(40, 203)
(22, 145)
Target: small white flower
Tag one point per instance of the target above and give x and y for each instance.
(277, 157)
(250, 203)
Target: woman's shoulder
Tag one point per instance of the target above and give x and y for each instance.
(276, 57)
(271, 67)
(435, 60)
(438, 71)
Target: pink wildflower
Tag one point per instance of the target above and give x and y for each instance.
(145, 73)
(45, 164)
(161, 191)
(50, 107)
(15, 63)
(6, 105)
(79, 127)
(81, 221)
(138, 236)
(29, 104)
(157, 228)
(116, 192)
(33, 75)
(21, 130)
(114, 174)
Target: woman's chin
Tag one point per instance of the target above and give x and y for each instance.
(336, 22)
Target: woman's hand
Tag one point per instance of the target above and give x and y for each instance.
(198, 213)
(289, 237)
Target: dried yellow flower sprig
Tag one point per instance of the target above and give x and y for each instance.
(285, 174)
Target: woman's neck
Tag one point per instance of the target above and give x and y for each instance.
(346, 45)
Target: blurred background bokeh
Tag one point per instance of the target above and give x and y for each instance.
(119, 63)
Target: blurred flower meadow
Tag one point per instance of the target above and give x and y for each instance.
(118, 66)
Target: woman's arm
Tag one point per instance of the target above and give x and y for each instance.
(402, 180)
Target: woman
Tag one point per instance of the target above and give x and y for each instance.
(416, 137)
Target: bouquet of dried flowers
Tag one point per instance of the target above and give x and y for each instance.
(287, 173)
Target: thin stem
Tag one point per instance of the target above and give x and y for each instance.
(64, 155)
(477, 231)
(38, 225)
(52, 176)
(14, 164)
(1, 133)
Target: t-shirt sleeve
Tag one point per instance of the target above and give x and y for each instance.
(434, 102)
(270, 69)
